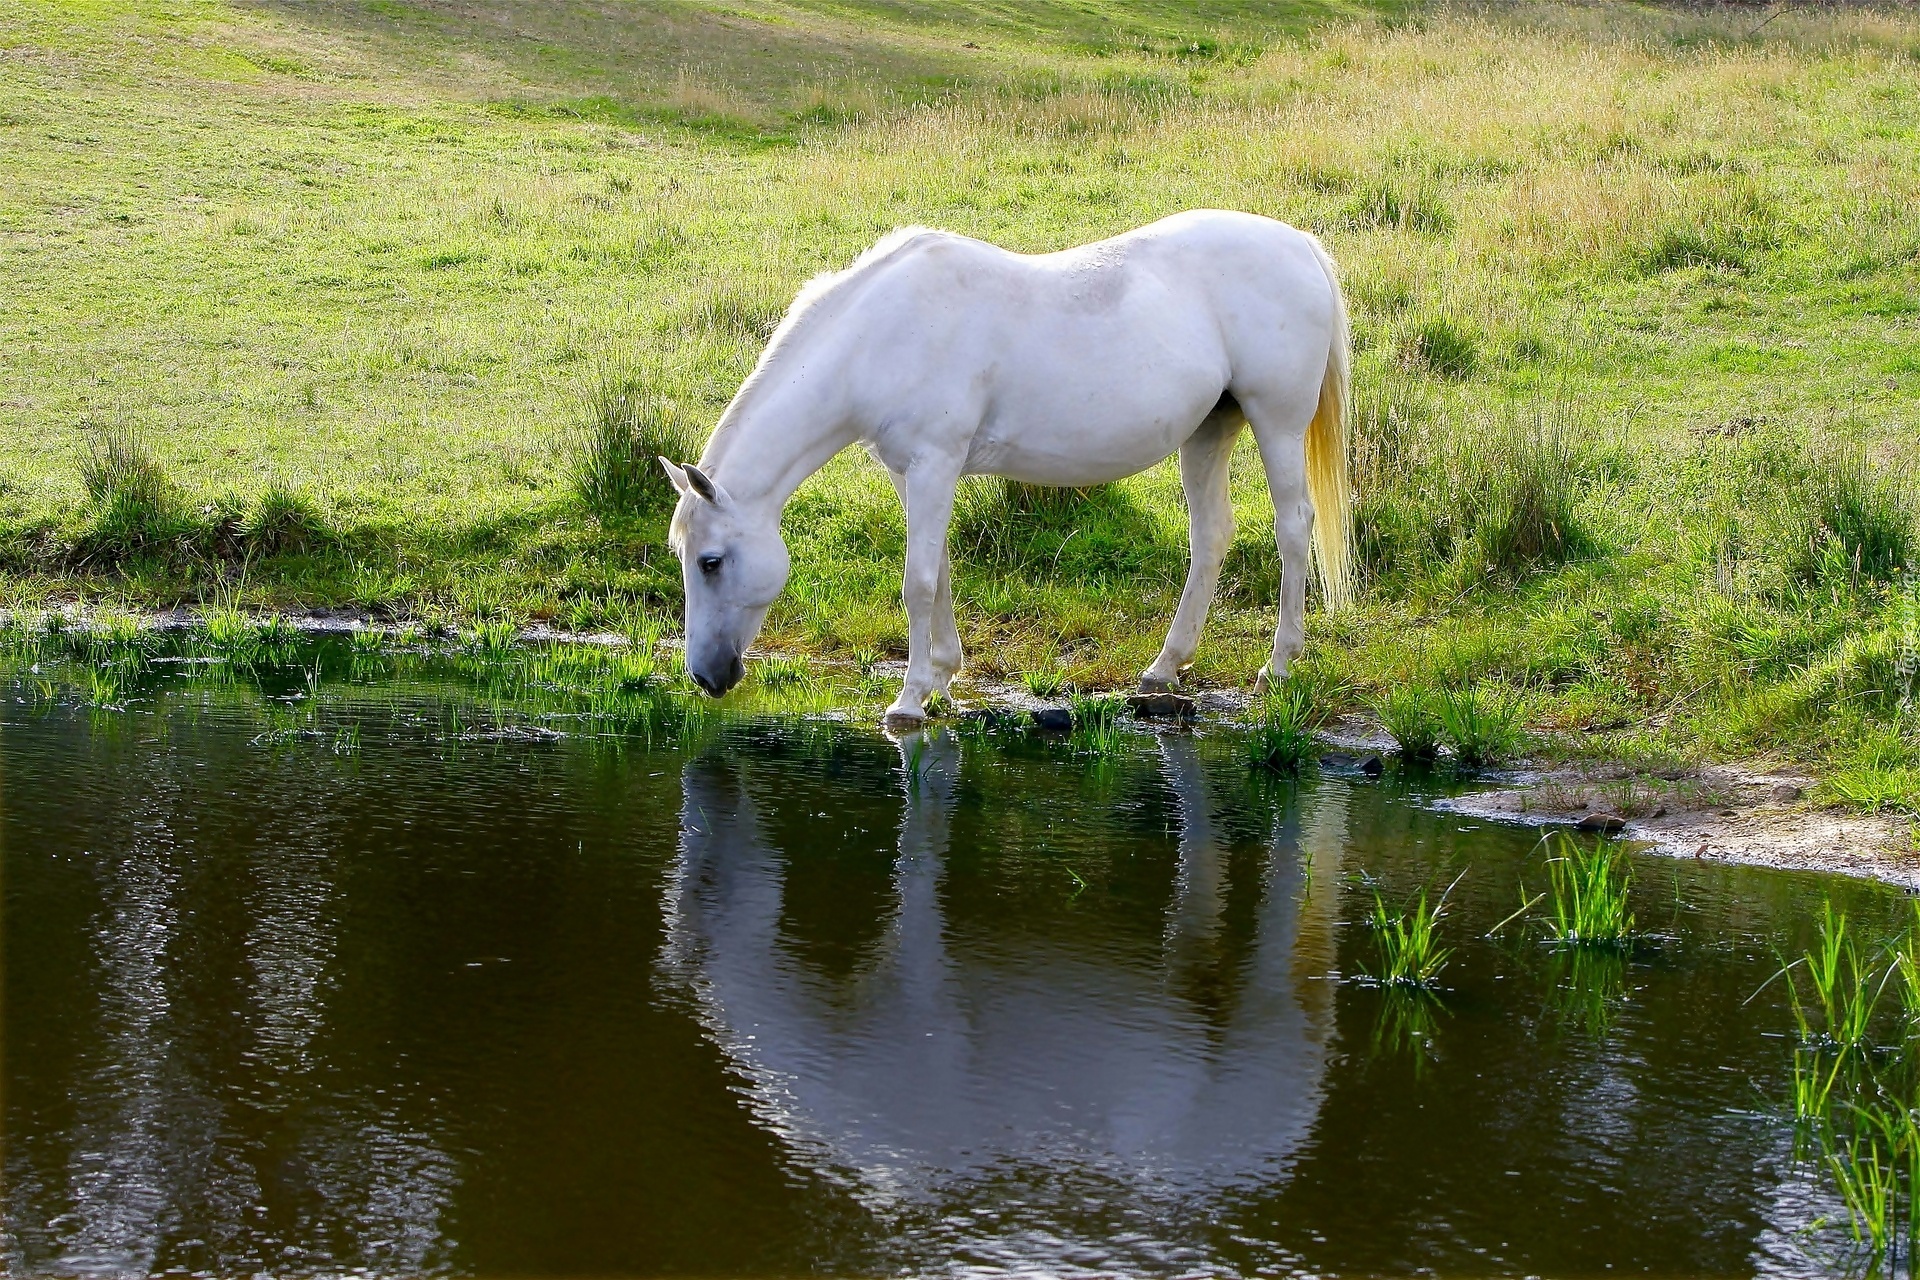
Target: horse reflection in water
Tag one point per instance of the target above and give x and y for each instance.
(1026, 1105)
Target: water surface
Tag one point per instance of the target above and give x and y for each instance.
(395, 979)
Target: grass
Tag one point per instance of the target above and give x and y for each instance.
(1099, 725)
(1482, 724)
(1408, 715)
(1589, 890)
(1282, 737)
(1632, 287)
(1854, 1100)
(1410, 954)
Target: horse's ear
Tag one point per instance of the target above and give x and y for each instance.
(675, 473)
(697, 480)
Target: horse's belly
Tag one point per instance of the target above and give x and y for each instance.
(1092, 430)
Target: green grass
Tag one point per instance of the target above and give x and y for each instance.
(1590, 894)
(1408, 941)
(1633, 299)
(1282, 739)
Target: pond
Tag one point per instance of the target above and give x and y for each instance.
(311, 969)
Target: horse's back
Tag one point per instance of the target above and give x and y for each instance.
(1099, 360)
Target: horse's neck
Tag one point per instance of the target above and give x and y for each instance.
(782, 427)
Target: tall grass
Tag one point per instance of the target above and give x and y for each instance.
(1411, 718)
(1408, 940)
(1481, 723)
(629, 426)
(1590, 894)
(1282, 739)
(1853, 521)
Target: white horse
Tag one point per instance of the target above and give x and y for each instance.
(948, 357)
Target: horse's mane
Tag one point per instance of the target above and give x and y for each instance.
(795, 322)
(801, 310)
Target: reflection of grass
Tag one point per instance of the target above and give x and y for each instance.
(1588, 985)
(1406, 1023)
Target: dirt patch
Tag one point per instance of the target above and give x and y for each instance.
(1729, 813)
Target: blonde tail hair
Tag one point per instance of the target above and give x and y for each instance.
(1328, 483)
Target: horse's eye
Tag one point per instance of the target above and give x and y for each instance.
(710, 565)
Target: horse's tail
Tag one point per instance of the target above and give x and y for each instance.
(1327, 480)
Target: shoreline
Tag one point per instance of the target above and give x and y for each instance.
(1747, 813)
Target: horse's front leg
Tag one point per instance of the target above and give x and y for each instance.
(930, 491)
(946, 652)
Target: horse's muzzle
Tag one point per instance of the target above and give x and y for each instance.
(715, 686)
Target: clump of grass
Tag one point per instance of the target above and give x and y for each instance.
(1408, 714)
(1846, 986)
(284, 521)
(782, 672)
(1097, 721)
(1410, 954)
(1282, 739)
(636, 670)
(629, 427)
(137, 508)
(1442, 346)
(1481, 724)
(1381, 204)
(119, 465)
(1853, 522)
(1590, 892)
(493, 640)
(1045, 682)
(367, 642)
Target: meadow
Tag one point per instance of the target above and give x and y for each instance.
(384, 305)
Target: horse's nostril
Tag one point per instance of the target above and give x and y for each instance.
(735, 670)
(705, 684)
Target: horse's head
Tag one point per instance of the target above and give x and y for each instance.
(733, 564)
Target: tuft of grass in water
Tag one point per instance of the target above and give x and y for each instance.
(1097, 724)
(1846, 986)
(1590, 891)
(1282, 738)
(493, 640)
(1410, 954)
(1481, 724)
(1408, 714)
(629, 427)
(367, 642)
(1045, 682)
(782, 672)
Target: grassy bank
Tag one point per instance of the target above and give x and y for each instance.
(374, 304)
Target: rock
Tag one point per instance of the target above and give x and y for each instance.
(1373, 766)
(1786, 793)
(1661, 812)
(1162, 706)
(1605, 824)
(1056, 718)
(1338, 760)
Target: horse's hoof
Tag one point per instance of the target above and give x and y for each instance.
(904, 718)
(1149, 685)
(1261, 683)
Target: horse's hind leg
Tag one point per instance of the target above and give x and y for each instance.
(1279, 423)
(1205, 461)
